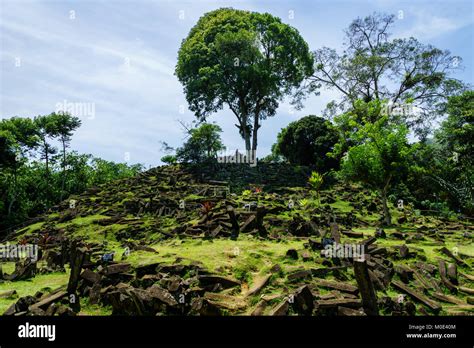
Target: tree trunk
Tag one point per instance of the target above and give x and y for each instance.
(255, 132)
(63, 179)
(247, 141)
(245, 133)
(10, 205)
(243, 123)
(46, 174)
(46, 158)
(386, 211)
(256, 126)
(46, 150)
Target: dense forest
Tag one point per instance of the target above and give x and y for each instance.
(35, 174)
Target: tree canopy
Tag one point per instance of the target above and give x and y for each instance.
(203, 144)
(379, 155)
(404, 71)
(245, 60)
(307, 142)
(29, 186)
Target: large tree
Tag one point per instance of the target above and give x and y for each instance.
(452, 163)
(246, 60)
(21, 135)
(400, 70)
(457, 131)
(18, 136)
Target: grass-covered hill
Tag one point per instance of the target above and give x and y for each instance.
(235, 240)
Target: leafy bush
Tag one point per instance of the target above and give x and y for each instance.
(307, 142)
(169, 159)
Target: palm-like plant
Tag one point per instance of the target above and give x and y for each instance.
(303, 203)
(315, 182)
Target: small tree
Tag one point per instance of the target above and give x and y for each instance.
(380, 157)
(169, 159)
(46, 130)
(315, 182)
(203, 144)
(64, 126)
(307, 142)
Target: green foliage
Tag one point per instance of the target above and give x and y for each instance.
(246, 193)
(457, 131)
(29, 187)
(445, 164)
(246, 60)
(303, 203)
(203, 144)
(22, 130)
(46, 130)
(379, 155)
(7, 149)
(441, 207)
(272, 157)
(103, 171)
(315, 181)
(169, 159)
(374, 66)
(307, 142)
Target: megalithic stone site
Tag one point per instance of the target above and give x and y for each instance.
(210, 173)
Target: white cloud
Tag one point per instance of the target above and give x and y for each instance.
(83, 60)
(427, 26)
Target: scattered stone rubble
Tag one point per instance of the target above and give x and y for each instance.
(206, 208)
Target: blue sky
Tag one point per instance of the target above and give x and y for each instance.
(119, 57)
